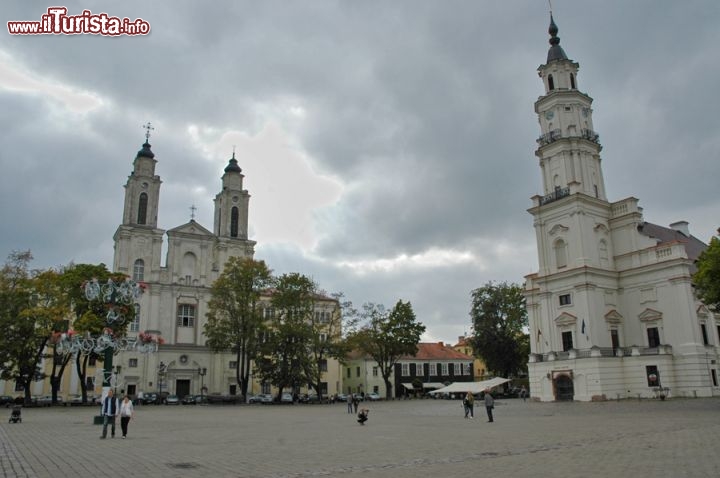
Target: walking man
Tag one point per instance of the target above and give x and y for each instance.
(110, 409)
(350, 403)
(489, 405)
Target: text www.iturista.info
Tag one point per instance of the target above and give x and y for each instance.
(57, 22)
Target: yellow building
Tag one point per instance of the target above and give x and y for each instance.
(464, 346)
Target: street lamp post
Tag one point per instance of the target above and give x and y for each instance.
(161, 376)
(202, 372)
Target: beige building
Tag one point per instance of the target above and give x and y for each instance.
(611, 309)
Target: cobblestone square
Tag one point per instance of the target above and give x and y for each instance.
(674, 438)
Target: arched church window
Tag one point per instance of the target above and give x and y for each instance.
(139, 270)
(142, 209)
(560, 253)
(234, 215)
(188, 266)
(572, 81)
(551, 83)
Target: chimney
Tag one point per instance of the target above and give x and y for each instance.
(681, 226)
(461, 338)
(441, 344)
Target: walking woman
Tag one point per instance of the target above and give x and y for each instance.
(126, 413)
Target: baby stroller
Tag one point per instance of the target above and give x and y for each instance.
(16, 415)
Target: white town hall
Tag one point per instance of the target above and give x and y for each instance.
(612, 312)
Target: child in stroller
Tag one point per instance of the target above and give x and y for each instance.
(16, 415)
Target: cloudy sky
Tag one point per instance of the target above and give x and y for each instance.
(388, 145)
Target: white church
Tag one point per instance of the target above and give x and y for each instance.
(175, 302)
(612, 312)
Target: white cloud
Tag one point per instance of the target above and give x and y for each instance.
(14, 77)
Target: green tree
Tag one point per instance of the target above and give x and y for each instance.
(32, 307)
(707, 277)
(235, 313)
(386, 337)
(284, 357)
(499, 319)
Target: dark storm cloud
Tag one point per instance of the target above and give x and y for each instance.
(421, 110)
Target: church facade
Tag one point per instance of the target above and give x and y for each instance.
(175, 302)
(612, 313)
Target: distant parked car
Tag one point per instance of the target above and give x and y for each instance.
(341, 397)
(188, 400)
(149, 398)
(46, 401)
(255, 398)
(308, 398)
(372, 396)
(286, 398)
(201, 399)
(6, 400)
(266, 398)
(172, 400)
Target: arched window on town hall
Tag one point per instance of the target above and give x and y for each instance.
(560, 248)
(142, 209)
(139, 270)
(551, 83)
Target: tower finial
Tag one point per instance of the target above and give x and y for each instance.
(233, 157)
(192, 212)
(148, 127)
(556, 52)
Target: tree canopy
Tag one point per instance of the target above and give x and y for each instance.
(386, 337)
(235, 313)
(499, 321)
(707, 277)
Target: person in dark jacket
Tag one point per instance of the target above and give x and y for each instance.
(110, 409)
(489, 405)
(363, 416)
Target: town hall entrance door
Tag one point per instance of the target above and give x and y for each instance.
(564, 388)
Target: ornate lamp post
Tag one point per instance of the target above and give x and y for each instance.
(162, 369)
(118, 298)
(202, 372)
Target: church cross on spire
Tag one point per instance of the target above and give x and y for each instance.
(148, 127)
(192, 212)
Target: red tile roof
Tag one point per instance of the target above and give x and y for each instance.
(436, 351)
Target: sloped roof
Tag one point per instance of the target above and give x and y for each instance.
(693, 245)
(436, 351)
(191, 227)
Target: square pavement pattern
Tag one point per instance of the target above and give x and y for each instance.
(413, 438)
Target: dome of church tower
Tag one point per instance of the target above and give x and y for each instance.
(233, 165)
(146, 152)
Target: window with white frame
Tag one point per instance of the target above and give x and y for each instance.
(186, 315)
(445, 369)
(405, 370)
(139, 270)
(135, 324)
(269, 313)
(419, 371)
(323, 337)
(375, 371)
(322, 317)
(468, 369)
(132, 362)
(432, 369)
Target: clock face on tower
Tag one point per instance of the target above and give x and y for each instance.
(549, 115)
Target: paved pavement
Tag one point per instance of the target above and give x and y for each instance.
(674, 438)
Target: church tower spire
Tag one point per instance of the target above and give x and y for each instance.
(138, 240)
(231, 204)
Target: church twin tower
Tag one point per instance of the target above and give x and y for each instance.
(175, 303)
